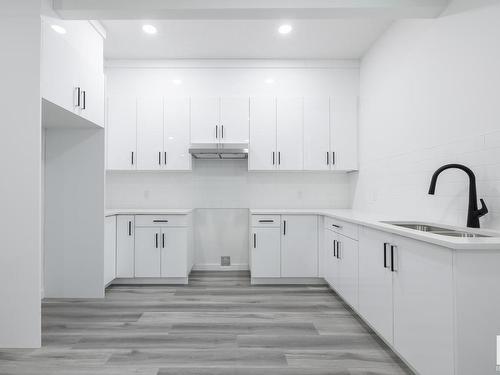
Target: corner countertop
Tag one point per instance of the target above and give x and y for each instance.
(147, 211)
(378, 222)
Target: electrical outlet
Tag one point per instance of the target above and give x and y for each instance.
(225, 261)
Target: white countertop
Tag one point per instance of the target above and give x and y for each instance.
(376, 222)
(148, 211)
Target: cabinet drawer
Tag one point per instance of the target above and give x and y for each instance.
(161, 220)
(266, 221)
(342, 227)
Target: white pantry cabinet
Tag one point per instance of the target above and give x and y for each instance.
(262, 146)
(125, 232)
(109, 249)
(299, 246)
(219, 119)
(71, 68)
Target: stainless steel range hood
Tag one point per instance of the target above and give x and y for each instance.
(227, 151)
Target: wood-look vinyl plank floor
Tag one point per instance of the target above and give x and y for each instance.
(219, 324)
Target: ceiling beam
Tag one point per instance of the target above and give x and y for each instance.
(248, 9)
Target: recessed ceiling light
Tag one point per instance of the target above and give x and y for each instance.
(149, 29)
(269, 81)
(285, 29)
(58, 29)
(177, 81)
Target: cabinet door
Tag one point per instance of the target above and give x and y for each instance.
(423, 306)
(125, 231)
(344, 132)
(92, 85)
(290, 133)
(174, 253)
(262, 152)
(266, 257)
(59, 67)
(150, 133)
(109, 249)
(317, 133)
(121, 130)
(234, 121)
(375, 282)
(299, 246)
(177, 134)
(348, 269)
(205, 120)
(331, 261)
(147, 252)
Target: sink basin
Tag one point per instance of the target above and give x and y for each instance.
(423, 227)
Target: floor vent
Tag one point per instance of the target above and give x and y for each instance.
(225, 261)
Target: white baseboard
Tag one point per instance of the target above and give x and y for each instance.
(151, 281)
(288, 281)
(218, 267)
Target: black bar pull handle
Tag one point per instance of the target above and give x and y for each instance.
(393, 260)
(385, 254)
(156, 240)
(327, 158)
(274, 161)
(279, 157)
(160, 221)
(132, 158)
(335, 248)
(338, 249)
(78, 94)
(284, 227)
(337, 226)
(129, 228)
(333, 158)
(84, 93)
(216, 132)
(266, 221)
(222, 131)
(159, 158)
(163, 240)
(165, 157)
(255, 240)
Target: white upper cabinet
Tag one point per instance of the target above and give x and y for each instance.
(262, 147)
(71, 68)
(219, 120)
(150, 133)
(205, 120)
(234, 121)
(344, 132)
(122, 133)
(290, 116)
(317, 133)
(177, 134)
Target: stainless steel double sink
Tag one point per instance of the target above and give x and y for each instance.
(423, 227)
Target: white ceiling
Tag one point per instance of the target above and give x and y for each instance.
(191, 39)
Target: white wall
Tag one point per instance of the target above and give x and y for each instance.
(430, 94)
(20, 151)
(74, 213)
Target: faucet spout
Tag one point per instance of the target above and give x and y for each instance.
(474, 213)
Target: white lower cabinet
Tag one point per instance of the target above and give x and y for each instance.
(125, 233)
(299, 246)
(375, 281)
(109, 249)
(423, 305)
(147, 252)
(174, 252)
(266, 252)
(347, 273)
(330, 267)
